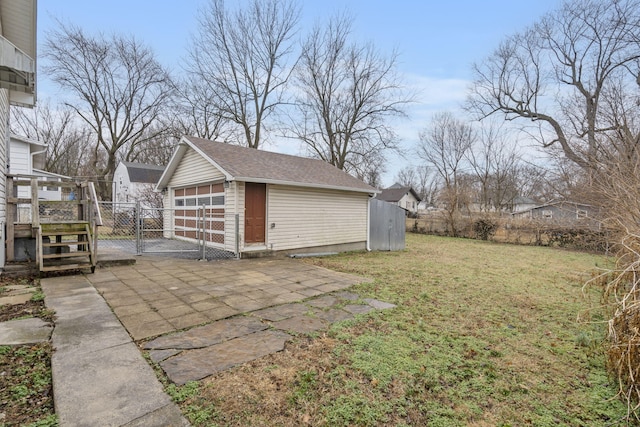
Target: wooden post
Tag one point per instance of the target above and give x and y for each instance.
(35, 206)
(11, 220)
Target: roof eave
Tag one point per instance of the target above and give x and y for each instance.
(303, 184)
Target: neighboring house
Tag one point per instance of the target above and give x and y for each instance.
(259, 201)
(522, 204)
(27, 157)
(405, 197)
(563, 213)
(134, 181)
(17, 79)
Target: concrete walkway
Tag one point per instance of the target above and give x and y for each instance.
(185, 314)
(99, 376)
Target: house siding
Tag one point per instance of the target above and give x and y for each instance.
(168, 215)
(234, 198)
(306, 218)
(194, 169)
(4, 146)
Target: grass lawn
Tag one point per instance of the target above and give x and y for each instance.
(484, 335)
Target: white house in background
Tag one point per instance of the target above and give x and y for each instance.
(27, 157)
(133, 181)
(405, 197)
(17, 80)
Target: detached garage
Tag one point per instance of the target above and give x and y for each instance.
(252, 202)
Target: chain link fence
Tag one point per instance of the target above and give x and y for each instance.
(134, 229)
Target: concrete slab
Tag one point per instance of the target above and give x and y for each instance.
(99, 375)
(24, 331)
(15, 299)
(358, 309)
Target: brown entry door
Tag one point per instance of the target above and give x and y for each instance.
(255, 202)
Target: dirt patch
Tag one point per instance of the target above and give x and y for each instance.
(28, 309)
(26, 394)
(26, 391)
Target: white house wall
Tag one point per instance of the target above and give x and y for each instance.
(305, 218)
(234, 198)
(4, 143)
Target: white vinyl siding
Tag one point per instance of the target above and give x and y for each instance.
(167, 215)
(19, 158)
(234, 198)
(18, 24)
(4, 144)
(194, 169)
(304, 217)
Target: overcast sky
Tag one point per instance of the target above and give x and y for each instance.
(438, 40)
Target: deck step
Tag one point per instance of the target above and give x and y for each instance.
(51, 235)
(65, 243)
(64, 267)
(67, 255)
(65, 233)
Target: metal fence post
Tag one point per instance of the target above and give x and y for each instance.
(138, 229)
(204, 233)
(238, 236)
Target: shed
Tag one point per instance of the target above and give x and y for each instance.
(403, 196)
(252, 202)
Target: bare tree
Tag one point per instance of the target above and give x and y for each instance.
(195, 112)
(571, 74)
(60, 130)
(495, 163)
(243, 56)
(445, 145)
(348, 94)
(407, 177)
(120, 91)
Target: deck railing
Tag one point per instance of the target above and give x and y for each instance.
(26, 210)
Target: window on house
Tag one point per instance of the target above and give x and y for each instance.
(547, 213)
(179, 202)
(217, 200)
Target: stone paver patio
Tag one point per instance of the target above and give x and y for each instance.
(193, 308)
(161, 295)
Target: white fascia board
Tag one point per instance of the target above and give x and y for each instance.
(303, 184)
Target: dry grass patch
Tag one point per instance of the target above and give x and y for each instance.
(484, 334)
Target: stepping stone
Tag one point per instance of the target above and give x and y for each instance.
(379, 305)
(334, 315)
(301, 324)
(205, 336)
(349, 296)
(358, 309)
(281, 312)
(24, 331)
(323, 302)
(193, 365)
(15, 299)
(160, 355)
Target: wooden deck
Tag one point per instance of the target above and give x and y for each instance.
(64, 231)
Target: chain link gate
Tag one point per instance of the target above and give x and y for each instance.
(136, 229)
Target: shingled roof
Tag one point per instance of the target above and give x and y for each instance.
(251, 165)
(394, 194)
(140, 172)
